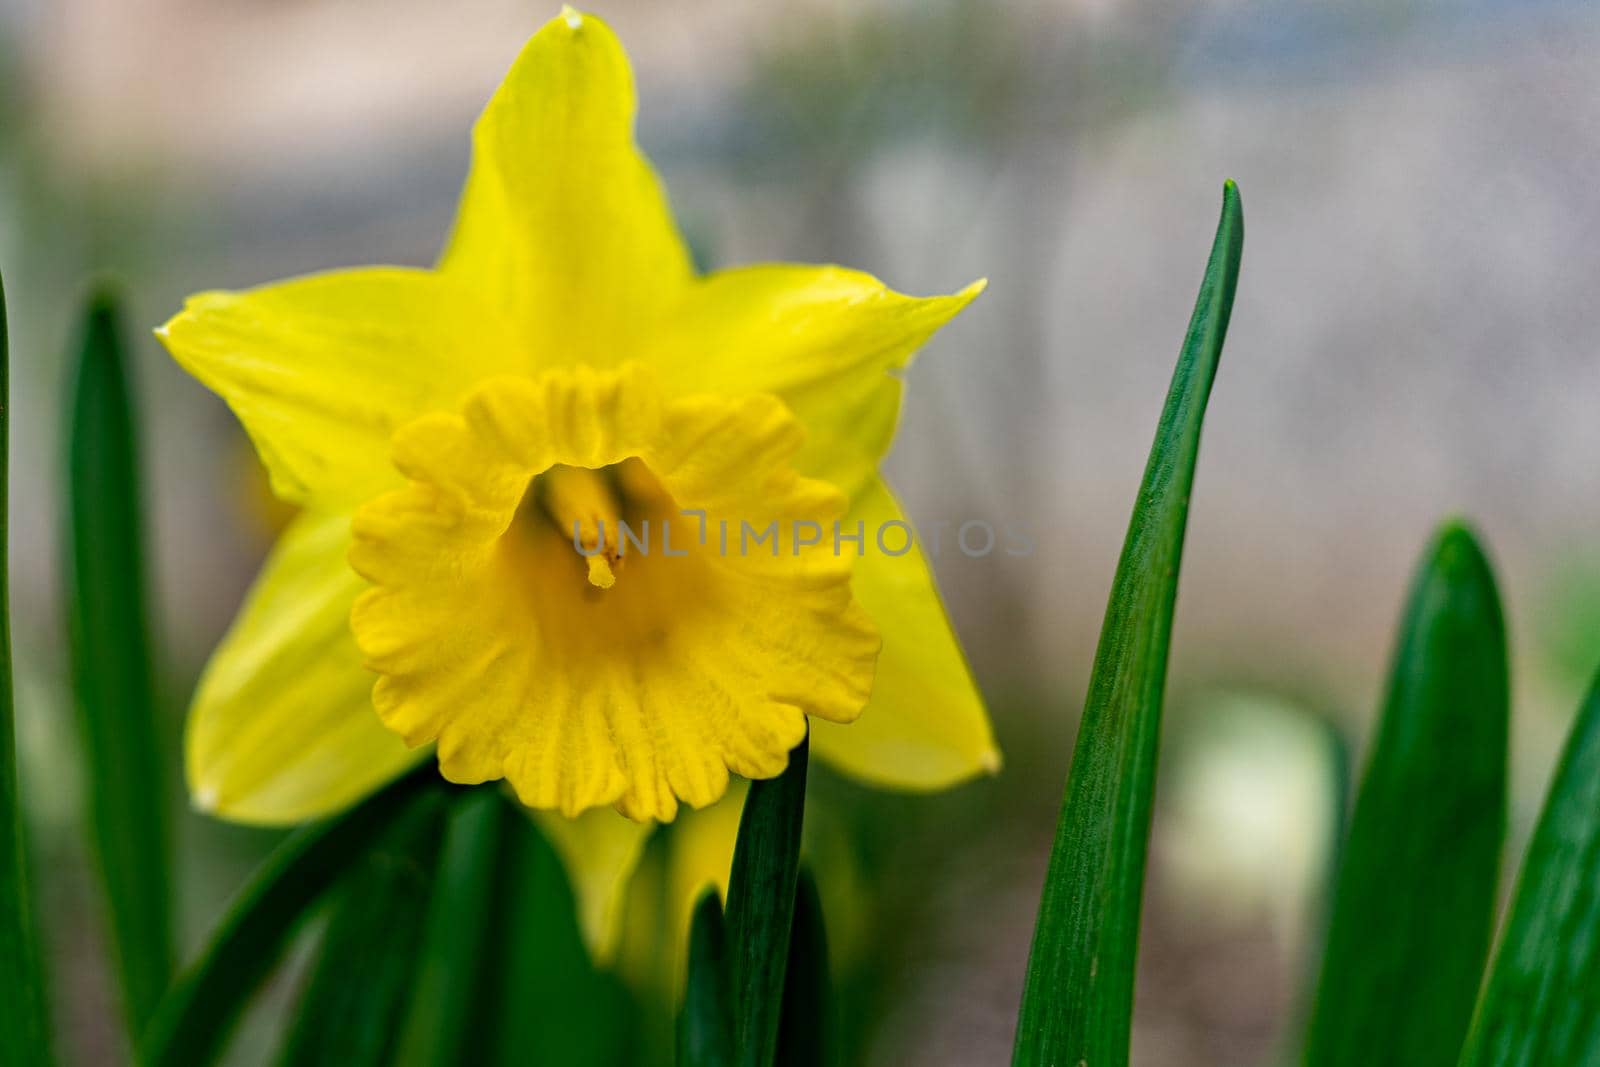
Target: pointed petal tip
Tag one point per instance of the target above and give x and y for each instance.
(992, 762)
(571, 16)
(182, 321)
(962, 297)
(205, 799)
(164, 332)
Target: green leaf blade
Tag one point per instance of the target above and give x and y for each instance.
(195, 1017)
(357, 998)
(1077, 1001)
(805, 1037)
(458, 928)
(705, 1025)
(760, 912)
(1414, 899)
(543, 1000)
(24, 1032)
(1541, 1004)
(111, 665)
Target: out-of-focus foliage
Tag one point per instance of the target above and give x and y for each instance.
(197, 1014)
(359, 994)
(1413, 907)
(460, 925)
(1541, 1005)
(705, 1022)
(24, 1031)
(112, 673)
(760, 908)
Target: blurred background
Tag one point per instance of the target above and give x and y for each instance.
(1415, 336)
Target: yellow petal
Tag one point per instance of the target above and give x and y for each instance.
(282, 728)
(694, 852)
(490, 638)
(322, 369)
(600, 850)
(824, 339)
(925, 726)
(562, 223)
(700, 853)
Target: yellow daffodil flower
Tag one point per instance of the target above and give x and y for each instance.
(475, 450)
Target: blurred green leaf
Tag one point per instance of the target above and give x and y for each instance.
(1077, 1003)
(1565, 612)
(359, 993)
(111, 663)
(705, 1026)
(24, 1032)
(199, 1011)
(805, 1036)
(1414, 899)
(543, 1001)
(458, 930)
(761, 887)
(1541, 1006)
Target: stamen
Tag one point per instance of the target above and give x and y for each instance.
(601, 576)
(582, 500)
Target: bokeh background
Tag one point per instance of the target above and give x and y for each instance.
(1415, 336)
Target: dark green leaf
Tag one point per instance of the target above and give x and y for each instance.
(24, 1034)
(1414, 899)
(805, 1037)
(543, 1000)
(1077, 1003)
(766, 862)
(199, 1011)
(457, 936)
(356, 1000)
(111, 664)
(705, 1026)
(1541, 1007)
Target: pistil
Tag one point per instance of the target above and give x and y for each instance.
(584, 506)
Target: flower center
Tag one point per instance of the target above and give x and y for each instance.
(599, 511)
(583, 503)
(500, 631)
